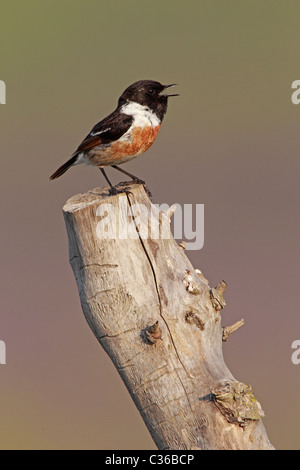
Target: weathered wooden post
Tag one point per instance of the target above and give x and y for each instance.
(160, 323)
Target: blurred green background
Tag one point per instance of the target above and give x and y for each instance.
(230, 141)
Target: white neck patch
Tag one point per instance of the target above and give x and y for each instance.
(142, 115)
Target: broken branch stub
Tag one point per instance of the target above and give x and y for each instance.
(155, 316)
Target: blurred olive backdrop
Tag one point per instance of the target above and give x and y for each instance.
(230, 141)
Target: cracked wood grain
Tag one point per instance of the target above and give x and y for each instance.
(133, 288)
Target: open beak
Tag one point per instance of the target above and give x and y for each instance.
(169, 86)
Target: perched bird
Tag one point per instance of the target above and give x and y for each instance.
(126, 133)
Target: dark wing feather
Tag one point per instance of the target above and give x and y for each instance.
(108, 130)
(62, 169)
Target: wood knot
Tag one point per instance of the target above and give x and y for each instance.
(236, 401)
(228, 330)
(190, 284)
(216, 295)
(151, 334)
(193, 318)
(182, 245)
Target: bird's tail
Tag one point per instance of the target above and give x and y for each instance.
(62, 169)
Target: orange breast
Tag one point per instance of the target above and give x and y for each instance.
(140, 139)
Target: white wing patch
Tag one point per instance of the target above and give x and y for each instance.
(92, 134)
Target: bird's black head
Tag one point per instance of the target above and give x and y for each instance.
(147, 93)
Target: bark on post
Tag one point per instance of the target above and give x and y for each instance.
(160, 323)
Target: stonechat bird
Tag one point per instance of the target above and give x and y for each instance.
(126, 133)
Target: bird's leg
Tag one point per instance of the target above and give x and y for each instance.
(134, 178)
(113, 191)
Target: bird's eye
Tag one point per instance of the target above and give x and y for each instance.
(151, 91)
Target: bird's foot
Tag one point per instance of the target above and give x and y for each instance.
(114, 191)
(138, 181)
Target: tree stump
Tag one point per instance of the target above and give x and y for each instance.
(160, 323)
